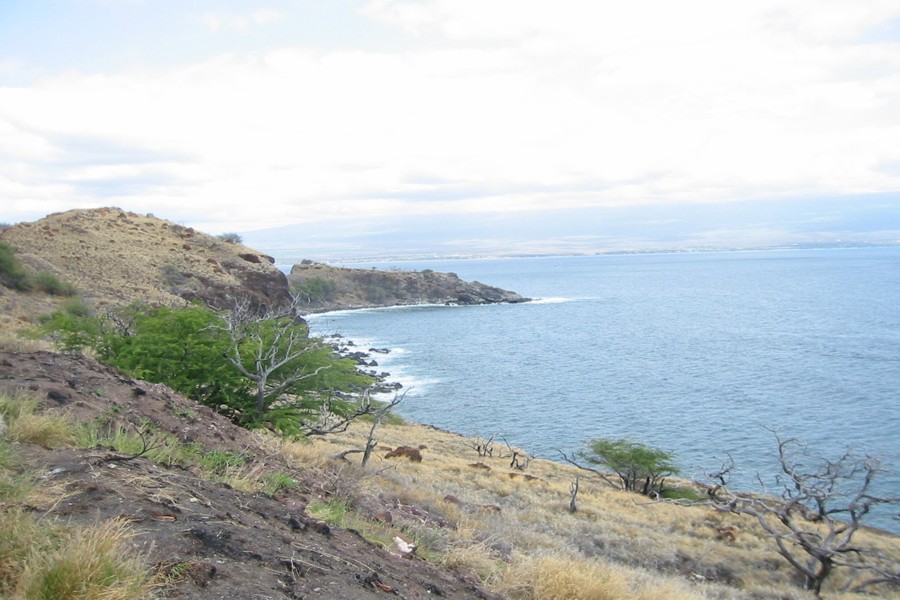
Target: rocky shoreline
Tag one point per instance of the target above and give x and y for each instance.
(347, 348)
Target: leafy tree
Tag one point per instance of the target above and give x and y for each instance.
(175, 347)
(640, 468)
(261, 369)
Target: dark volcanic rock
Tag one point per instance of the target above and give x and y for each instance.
(326, 288)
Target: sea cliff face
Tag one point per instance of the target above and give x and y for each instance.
(322, 287)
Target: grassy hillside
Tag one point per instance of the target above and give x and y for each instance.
(175, 500)
(211, 509)
(113, 257)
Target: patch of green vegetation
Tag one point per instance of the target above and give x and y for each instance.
(184, 412)
(12, 274)
(230, 237)
(24, 424)
(640, 467)
(218, 462)
(173, 276)
(14, 486)
(333, 512)
(682, 493)
(315, 290)
(163, 449)
(262, 372)
(89, 562)
(273, 483)
(49, 283)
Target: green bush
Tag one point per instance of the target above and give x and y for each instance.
(173, 276)
(72, 328)
(49, 283)
(316, 289)
(12, 273)
(230, 237)
(191, 350)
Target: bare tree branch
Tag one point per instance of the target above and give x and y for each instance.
(604, 476)
(819, 510)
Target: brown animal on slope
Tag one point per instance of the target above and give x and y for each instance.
(728, 533)
(412, 454)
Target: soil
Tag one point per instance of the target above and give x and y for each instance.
(209, 539)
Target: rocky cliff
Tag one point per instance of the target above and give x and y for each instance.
(323, 287)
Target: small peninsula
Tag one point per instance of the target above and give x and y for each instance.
(321, 287)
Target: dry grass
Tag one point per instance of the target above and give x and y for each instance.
(40, 558)
(24, 424)
(617, 545)
(88, 563)
(13, 341)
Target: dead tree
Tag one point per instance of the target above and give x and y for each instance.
(819, 509)
(572, 461)
(518, 460)
(573, 494)
(266, 345)
(484, 447)
(378, 416)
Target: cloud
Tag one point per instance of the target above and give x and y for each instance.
(487, 107)
(225, 21)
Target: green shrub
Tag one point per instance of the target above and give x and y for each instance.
(230, 237)
(72, 328)
(268, 374)
(49, 283)
(173, 276)
(316, 289)
(277, 482)
(12, 273)
(218, 462)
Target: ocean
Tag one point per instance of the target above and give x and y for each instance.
(699, 354)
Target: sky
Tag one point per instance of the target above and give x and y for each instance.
(360, 128)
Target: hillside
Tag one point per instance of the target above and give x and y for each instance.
(323, 287)
(115, 257)
(201, 508)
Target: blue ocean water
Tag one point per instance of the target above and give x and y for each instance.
(697, 353)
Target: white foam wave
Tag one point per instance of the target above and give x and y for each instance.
(552, 300)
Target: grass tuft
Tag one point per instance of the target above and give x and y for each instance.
(24, 424)
(91, 564)
(564, 578)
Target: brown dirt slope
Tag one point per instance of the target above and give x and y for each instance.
(208, 539)
(115, 257)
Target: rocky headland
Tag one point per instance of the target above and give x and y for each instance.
(321, 287)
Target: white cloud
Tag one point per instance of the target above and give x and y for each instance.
(506, 105)
(226, 21)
